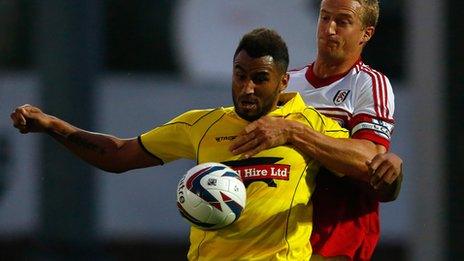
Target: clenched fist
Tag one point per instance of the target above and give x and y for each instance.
(385, 168)
(27, 118)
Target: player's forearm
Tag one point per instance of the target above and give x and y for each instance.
(344, 156)
(99, 150)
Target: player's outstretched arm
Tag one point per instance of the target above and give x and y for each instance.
(345, 156)
(106, 152)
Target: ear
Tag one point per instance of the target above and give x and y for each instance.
(367, 35)
(284, 82)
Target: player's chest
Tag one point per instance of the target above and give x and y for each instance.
(336, 100)
(332, 96)
(270, 167)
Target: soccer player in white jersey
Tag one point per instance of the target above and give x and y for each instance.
(340, 85)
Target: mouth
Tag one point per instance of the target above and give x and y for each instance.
(249, 104)
(330, 41)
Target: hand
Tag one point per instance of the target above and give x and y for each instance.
(264, 133)
(28, 118)
(384, 168)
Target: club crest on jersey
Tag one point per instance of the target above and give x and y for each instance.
(340, 96)
(262, 169)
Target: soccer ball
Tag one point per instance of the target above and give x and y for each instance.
(211, 196)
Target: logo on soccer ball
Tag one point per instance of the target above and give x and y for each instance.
(211, 196)
(212, 182)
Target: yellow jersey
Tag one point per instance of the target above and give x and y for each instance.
(277, 220)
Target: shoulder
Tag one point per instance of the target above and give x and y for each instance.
(192, 117)
(298, 79)
(298, 72)
(324, 124)
(312, 115)
(371, 76)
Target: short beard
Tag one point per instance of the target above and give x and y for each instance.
(262, 111)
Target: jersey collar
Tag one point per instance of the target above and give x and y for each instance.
(321, 82)
(288, 103)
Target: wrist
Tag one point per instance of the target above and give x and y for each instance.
(55, 126)
(51, 125)
(302, 137)
(294, 132)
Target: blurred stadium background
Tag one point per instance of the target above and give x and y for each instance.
(122, 67)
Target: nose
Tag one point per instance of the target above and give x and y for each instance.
(332, 27)
(248, 87)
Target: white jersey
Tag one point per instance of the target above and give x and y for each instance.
(361, 100)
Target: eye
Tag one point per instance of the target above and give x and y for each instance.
(260, 78)
(324, 18)
(239, 75)
(344, 22)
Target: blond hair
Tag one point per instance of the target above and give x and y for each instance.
(370, 13)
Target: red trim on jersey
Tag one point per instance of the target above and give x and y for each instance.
(379, 90)
(368, 134)
(384, 94)
(374, 89)
(343, 115)
(358, 66)
(368, 118)
(333, 109)
(318, 82)
(385, 100)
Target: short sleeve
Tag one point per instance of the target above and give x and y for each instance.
(374, 108)
(172, 140)
(324, 124)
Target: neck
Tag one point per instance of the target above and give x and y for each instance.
(324, 68)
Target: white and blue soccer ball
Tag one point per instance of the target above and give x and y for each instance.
(211, 196)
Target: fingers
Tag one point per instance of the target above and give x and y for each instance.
(381, 175)
(252, 152)
(375, 162)
(259, 135)
(384, 169)
(242, 143)
(390, 176)
(17, 119)
(250, 148)
(251, 127)
(244, 138)
(21, 117)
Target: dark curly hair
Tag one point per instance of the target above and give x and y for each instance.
(262, 42)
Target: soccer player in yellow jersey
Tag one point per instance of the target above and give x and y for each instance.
(277, 221)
